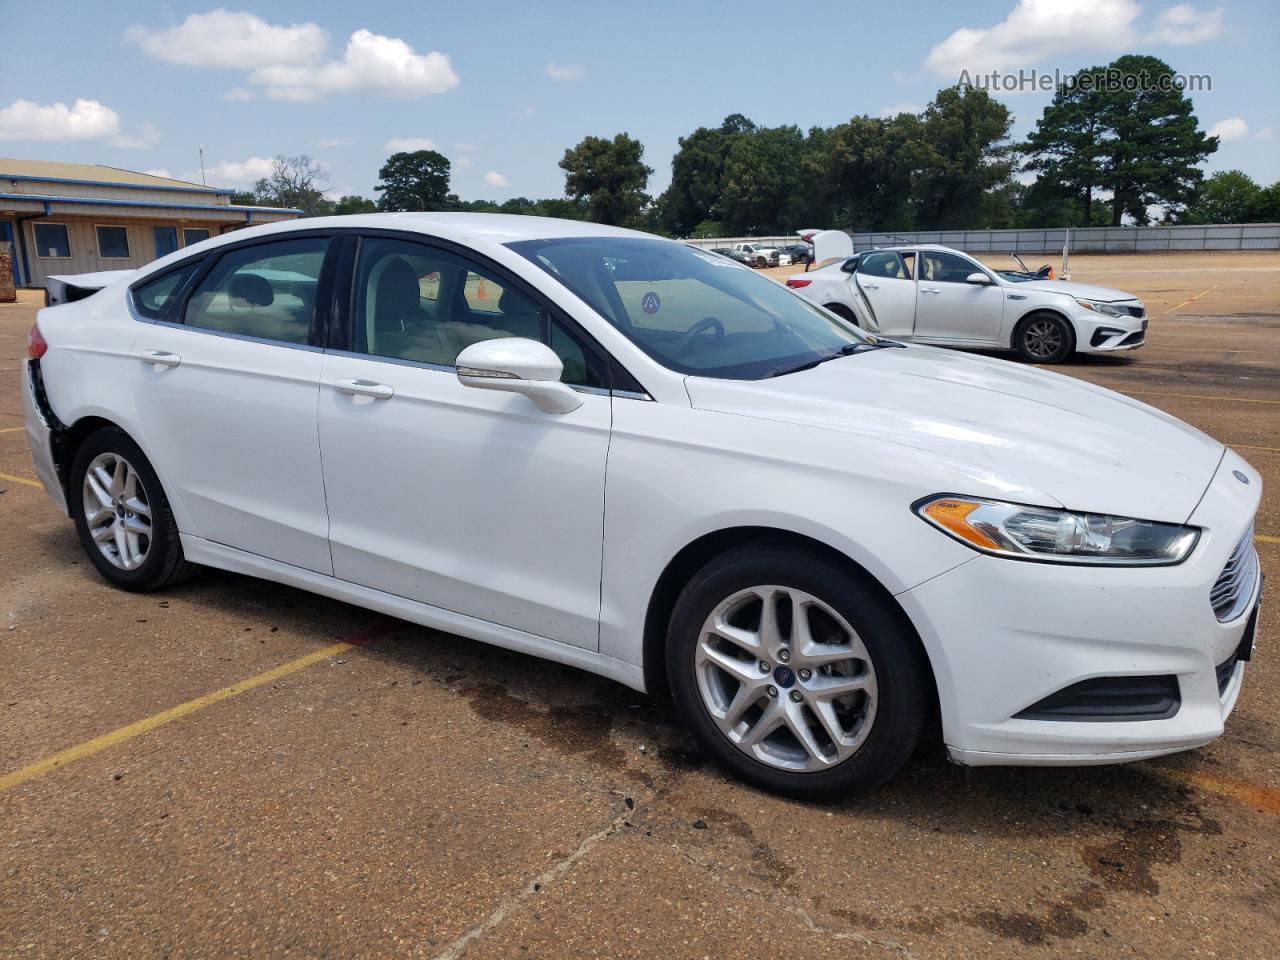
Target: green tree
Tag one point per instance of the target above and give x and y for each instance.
(1268, 207)
(354, 204)
(1227, 197)
(294, 182)
(417, 180)
(859, 174)
(962, 153)
(1137, 139)
(697, 175)
(608, 177)
(763, 181)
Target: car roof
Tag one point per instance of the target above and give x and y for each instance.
(475, 227)
(913, 247)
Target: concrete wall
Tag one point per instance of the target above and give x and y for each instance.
(1248, 236)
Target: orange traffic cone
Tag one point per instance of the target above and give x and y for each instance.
(480, 293)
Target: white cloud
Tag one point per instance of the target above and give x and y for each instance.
(231, 38)
(494, 179)
(565, 71)
(1264, 134)
(1183, 24)
(1033, 31)
(371, 62)
(83, 120)
(236, 171)
(898, 108)
(408, 144)
(462, 163)
(238, 95)
(1232, 128)
(147, 138)
(159, 172)
(328, 143)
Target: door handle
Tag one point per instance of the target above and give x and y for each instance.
(364, 388)
(160, 358)
(872, 286)
(930, 290)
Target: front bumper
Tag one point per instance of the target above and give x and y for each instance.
(1004, 634)
(1096, 333)
(40, 436)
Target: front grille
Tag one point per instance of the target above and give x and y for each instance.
(1133, 311)
(1234, 586)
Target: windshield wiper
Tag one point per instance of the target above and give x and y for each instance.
(848, 350)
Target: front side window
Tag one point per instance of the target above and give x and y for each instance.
(153, 298)
(267, 291)
(692, 311)
(113, 243)
(166, 240)
(416, 302)
(52, 240)
(946, 268)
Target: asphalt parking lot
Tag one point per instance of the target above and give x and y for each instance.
(334, 783)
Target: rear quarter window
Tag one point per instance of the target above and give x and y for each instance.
(154, 298)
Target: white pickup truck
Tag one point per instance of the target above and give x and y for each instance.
(760, 255)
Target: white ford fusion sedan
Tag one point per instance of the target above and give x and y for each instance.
(637, 458)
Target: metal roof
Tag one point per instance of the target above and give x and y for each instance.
(12, 168)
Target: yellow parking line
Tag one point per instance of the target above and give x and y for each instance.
(1265, 539)
(1266, 799)
(1192, 396)
(1191, 300)
(11, 429)
(90, 747)
(24, 480)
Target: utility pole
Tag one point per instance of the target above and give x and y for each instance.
(202, 179)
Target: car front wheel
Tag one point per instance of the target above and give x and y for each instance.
(122, 515)
(796, 675)
(1045, 338)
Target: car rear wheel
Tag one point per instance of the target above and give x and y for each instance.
(795, 675)
(1044, 338)
(122, 516)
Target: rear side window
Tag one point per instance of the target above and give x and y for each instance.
(266, 291)
(154, 297)
(882, 265)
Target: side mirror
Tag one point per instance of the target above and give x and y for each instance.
(978, 277)
(518, 365)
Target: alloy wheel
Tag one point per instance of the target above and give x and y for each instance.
(117, 511)
(1043, 338)
(785, 678)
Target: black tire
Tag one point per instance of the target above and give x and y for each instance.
(1034, 338)
(844, 313)
(761, 262)
(164, 563)
(904, 702)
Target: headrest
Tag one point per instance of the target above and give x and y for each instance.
(397, 295)
(252, 289)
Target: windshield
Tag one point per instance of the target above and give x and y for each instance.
(693, 311)
(1017, 276)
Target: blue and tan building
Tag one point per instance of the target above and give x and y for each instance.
(64, 218)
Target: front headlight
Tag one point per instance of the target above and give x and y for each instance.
(1058, 536)
(1106, 309)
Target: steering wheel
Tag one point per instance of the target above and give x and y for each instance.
(706, 323)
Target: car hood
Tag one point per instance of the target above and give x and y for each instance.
(1085, 291)
(1036, 432)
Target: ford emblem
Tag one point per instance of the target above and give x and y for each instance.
(1239, 476)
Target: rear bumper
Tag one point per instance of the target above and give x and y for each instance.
(40, 437)
(1003, 635)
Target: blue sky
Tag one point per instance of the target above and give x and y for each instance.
(503, 88)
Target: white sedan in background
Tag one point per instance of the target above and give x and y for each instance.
(647, 461)
(936, 295)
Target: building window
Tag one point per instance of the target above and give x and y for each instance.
(166, 240)
(193, 235)
(51, 240)
(113, 243)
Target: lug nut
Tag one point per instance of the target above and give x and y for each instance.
(764, 666)
(771, 690)
(784, 655)
(795, 696)
(805, 674)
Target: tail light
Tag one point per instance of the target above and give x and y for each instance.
(36, 345)
(797, 282)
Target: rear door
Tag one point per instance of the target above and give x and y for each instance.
(888, 291)
(225, 384)
(949, 308)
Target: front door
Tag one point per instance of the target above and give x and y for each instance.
(884, 282)
(470, 500)
(950, 309)
(229, 394)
